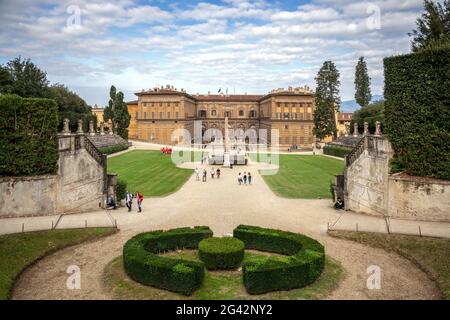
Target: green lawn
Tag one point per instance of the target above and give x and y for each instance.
(304, 176)
(431, 254)
(17, 251)
(218, 285)
(149, 172)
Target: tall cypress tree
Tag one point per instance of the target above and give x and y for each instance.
(433, 27)
(117, 112)
(327, 100)
(362, 84)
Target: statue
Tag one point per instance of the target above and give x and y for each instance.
(80, 126)
(66, 129)
(378, 128)
(366, 128)
(355, 130)
(91, 128)
(102, 129)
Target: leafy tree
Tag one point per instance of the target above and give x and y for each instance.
(433, 27)
(362, 84)
(117, 112)
(25, 79)
(327, 100)
(70, 106)
(371, 114)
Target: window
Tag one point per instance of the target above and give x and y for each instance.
(145, 115)
(176, 115)
(253, 114)
(228, 114)
(241, 113)
(286, 115)
(153, 115)
(202, 114)
(160, 104)
(286, 127)
(278, 115)
(213, 113)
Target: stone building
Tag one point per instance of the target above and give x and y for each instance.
(158, 112)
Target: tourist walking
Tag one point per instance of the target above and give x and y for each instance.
(197, 174)
(239, 178)
(204, 175)
(245, 178)
(129, 200)
(249, 177)
(218, 173)
(139, 199)
(212, 173)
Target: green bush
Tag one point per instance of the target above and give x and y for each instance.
(121, 189)
(114, 149)
(221, 253)
(303, 266)
(28, 136)
(336, 151)
(143, 264)
(417, 111)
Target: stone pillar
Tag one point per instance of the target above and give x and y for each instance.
(91, 128)
(366, 128)
(378, 128)
(355, 130)
(102, 129)
(80, 126)
(66, 130)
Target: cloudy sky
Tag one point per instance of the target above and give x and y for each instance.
(244, 45)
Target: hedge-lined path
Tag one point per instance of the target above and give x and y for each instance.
(222, 205)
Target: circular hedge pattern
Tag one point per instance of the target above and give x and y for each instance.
(302, 264)
(221, 253)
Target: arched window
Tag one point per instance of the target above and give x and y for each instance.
(214, 113)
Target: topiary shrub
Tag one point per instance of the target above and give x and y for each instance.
(221, 253)
(143, 265)
(303, 266)
(417, 111)
(121, 189)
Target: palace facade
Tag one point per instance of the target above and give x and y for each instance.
(158, 112)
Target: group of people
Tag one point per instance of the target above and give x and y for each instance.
(129, 200)
(244, 178)
(213, 173)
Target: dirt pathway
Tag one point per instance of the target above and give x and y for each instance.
(222, 205)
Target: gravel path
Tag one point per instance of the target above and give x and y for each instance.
(222, 205)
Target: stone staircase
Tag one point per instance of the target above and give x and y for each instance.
(106, 140)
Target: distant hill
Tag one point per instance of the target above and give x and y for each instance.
(352, 106)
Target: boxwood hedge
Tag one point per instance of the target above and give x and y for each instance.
(302, 266)
(417, 111)
(221, 253)
(143, 265)
(336, 151)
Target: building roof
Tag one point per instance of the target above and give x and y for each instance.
(132, 102)
(229, 97)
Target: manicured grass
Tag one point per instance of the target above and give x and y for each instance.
(152, 173)
(431, 254)
(17, 251)
(304, 176)
(218, 285)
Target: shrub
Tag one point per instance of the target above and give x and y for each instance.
(417, 111)
(28, 136)
(336, 151)
(142, 263)
(114, 149)
(221, 253)
(121, 189)
(303, 266)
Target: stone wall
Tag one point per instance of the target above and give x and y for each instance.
(418, 198)
(370, 189)
(80, 184)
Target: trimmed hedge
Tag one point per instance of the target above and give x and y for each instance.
(336, 151)
(28, 136)
(114, 149)
(143, 264)
(303, 266)
(417, 111)
(221, 253)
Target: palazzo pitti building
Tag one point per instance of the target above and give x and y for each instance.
(158, 112)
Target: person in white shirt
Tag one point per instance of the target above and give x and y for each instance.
(212, 173)
(197, 174)
(240, 178)
(129, 200)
